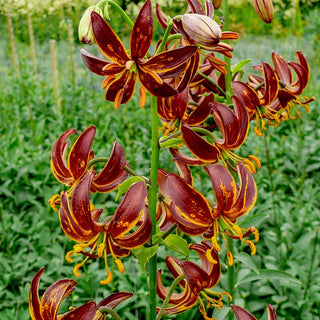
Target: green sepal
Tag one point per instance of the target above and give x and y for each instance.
(172, 143)
(125, 185)
(144, 254)
(238, 66)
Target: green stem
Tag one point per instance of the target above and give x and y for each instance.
(212, 82)
(111, 311)
(166, 301)
(114, 5)
(152, 202)
(172, 136)
(231, 276)
(166, 35)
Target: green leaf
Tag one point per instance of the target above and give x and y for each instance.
(254, 220)
(172, 143)
(125, 185)
(221, 315)
(176, 243)
(268, 274)
(240, 65)
(144, 254)
(247, 260)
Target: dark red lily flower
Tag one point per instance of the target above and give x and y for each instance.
(78, 159)
(195, 216)
(197, 281)
(243, 314)
(122, 70)
(233, 126)
(71, 171)
(47, 307)
(115, 236)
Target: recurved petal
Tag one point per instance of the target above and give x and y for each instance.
(169, 60)
(141, 35)
(113, 168)
(247, 194)
(242, 314)
(282, 68)
(80, 152)
(107, 40)
(53, 296)
(34, 301)
(186, 159)
(224, 186)
(129, 210)
(154, 84)
(272, 315)
(195, 6)
(203, 150)
(109, 187)
(85, 312)
(114, 299)
(97, 65)
(191, 203)
(271, 85)
(137, 238)
(58, 157)
(186, 226)
(202, 111)
(301, 82)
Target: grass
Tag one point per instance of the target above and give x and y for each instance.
(287, 210)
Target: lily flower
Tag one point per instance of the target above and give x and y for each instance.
(264, 9)
(70, 171)
(47, 307)
(114, 235)
(195, 215)
(233, 126)
(197, 282)
(122, 70)
(243, 314)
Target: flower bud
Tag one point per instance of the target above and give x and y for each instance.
(264, 9)
(85, 26)
(201, 29)
(217, 3)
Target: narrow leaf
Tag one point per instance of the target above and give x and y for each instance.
(247, 260)
(178, 244)
(240, 65)
(268, 274)
(125, 185)
(172, 143)
(144, 254)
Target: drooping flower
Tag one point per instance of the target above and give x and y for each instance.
(243, 314)
(195, 216)
(47, 307)
(197, 282)
(130, 226)
(122, 70)
(232, 125)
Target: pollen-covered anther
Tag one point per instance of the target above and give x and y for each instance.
(129, 64)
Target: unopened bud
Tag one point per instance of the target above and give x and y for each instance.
(264, 9)
(201, 29)
(217, 3)
(85, 25)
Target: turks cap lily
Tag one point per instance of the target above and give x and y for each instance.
(122, 70)
(195, 216)
(47, 307)
(290, 89)
(70, 171)
(258, 96)
(130, 226)
(196, 283)
(243, 314)
(233, 126)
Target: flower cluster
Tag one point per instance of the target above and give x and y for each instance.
(204, 119)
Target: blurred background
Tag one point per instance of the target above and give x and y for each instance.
(45, 89)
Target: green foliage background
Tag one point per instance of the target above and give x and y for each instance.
(287, 211)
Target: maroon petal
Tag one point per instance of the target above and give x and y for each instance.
(84, 312)
(141, 35)
(107, 40)
(114, 299)
(242, 314)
